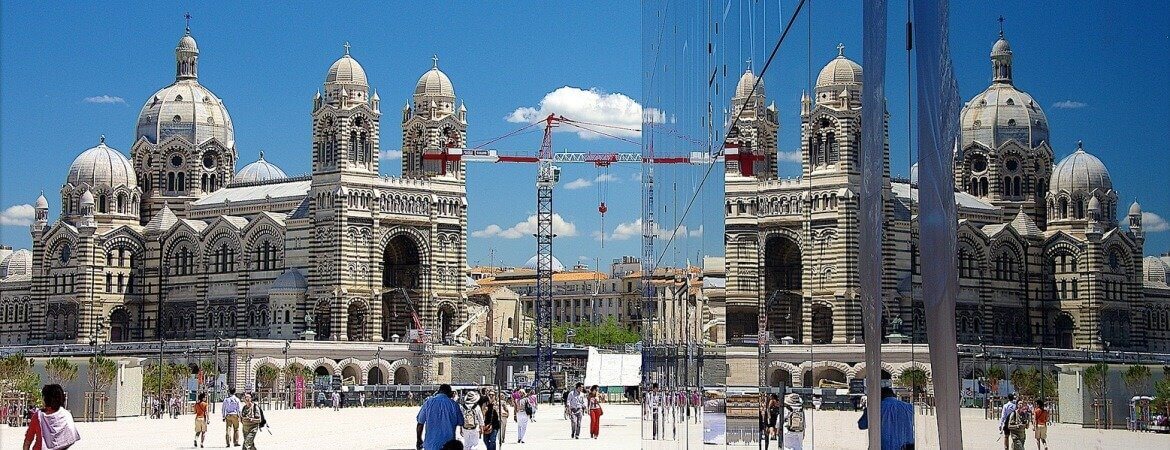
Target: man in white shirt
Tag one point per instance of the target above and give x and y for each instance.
(231, 418)
(576, 404)
(653, 407)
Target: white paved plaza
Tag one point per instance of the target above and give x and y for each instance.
(393, 428)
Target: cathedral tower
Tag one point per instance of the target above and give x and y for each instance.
(431, 125)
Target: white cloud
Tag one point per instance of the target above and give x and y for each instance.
(593, 105)
(636, 176)
(582, 183)
(561, 228)
(109, 99)
(1069, 104)
(1153, 223)
(579, 183)
(18, 215)
(627, 230)
(390, 155)
(792, 156)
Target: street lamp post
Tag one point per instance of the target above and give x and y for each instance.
(162, 343)
(215, 359)
(287, 343)
(93, 370)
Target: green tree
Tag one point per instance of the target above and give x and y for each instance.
(60, 370)
(608, 332)
(173, 377)
(1135, 378)
(1161, 403)
(914, 379)
(294, 370)
(994, 375)
(16, 374)
(266, 376)
(1095, 377)
(102, 372)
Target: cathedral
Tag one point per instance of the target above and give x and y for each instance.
(173, 243)
(1042, 258)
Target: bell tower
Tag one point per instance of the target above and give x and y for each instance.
(432, 126)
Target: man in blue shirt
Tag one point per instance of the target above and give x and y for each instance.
(440, 416)
(897, 422)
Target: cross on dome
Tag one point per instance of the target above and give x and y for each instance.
(435, 59)
(102, 139)
(840, 49)
(346, 45)
(187, 16)
(1000, 26)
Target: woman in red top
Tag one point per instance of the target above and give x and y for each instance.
(201, 420)
(51, 426)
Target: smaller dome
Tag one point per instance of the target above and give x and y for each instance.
(87, 197)
(290, 280)
(1080, 172)
(1135, 209)
(42, 202)
(347, 71)
(187, 43)
(744, 88)
(17, 263)
(1001, 48)
(557, 266)
(101, 166)
(435, 83)
(840, 71)
(1094, 204)
(260, 170)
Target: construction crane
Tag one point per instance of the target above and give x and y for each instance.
(547, 176)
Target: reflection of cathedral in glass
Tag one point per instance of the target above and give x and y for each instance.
(172, 242)
(1041, 257)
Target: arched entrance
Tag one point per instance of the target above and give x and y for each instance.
(782, 286)
(822, 324)
(322, 319)
(355, 326)
(119, 325)
(816, 376)
(446, 322)
(350, 373)
(1064, 331)
(375, 376)
(402, 376)
(321, 371)
(401, 280)
(779, 378)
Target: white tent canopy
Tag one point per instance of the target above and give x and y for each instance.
(610, 369)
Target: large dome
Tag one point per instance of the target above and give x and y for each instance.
(1002, 113)
(434, 83)
(260, 170)
(101, 166)
(744, 87)
(1082, 173)
(346, 72)
(16, 263)
(557, 266)
(185, 109)
(840, 72)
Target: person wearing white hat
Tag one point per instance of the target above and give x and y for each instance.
(472, 420)
(792, 422)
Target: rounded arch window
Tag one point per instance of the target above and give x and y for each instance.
(176, 160)
(1012, 122)
(66, 253)
(209, 160)
(978, 163)
(1012, 165)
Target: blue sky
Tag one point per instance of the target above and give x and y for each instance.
(1102, 64)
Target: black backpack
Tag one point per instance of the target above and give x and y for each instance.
(263, 421)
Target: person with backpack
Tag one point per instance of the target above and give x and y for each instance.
(51, 427)
(1012, 424)
(251, 421)
(472, 423)
(897, 422)
(791, 422)
(524, 412)
(439, 416)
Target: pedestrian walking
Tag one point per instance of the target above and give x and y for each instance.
(502, 405)
(51, 427)
(491, 421)
(439, 416)
(594, 402)
(524, 412)
(336, 401)
(533, 403)
(772, 412)
(473, 422)
(231, 418)
(897, 422)
(652, 406)
(175, 406)
(565, 402)
(576, 403)
(1041, 426)
(201, 419)
(1013, 425)
(251, 419)
(791, 423)
(362, 399)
